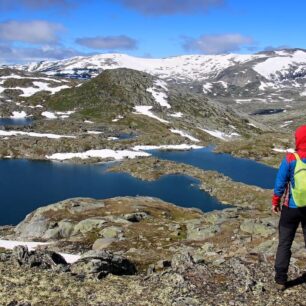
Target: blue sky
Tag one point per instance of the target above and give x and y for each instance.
(54, 29)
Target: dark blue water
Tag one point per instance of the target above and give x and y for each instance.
(125, 136)
(16, 122)
(238, 169)
(27, 185)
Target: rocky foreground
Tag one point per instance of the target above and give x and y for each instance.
(143, 251)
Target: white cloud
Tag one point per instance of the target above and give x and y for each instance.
(108, 42)
(219, 43)
(9, 54)
(36, 31)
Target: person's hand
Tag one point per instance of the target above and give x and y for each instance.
(276, 209)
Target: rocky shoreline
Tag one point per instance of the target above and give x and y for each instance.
(182, 256)
(176, 256)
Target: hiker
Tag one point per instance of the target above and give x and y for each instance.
(290, 183)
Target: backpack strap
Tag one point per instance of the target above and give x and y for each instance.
(297, 156)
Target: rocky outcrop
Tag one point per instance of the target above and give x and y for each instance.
(98, 264)
(163, 255)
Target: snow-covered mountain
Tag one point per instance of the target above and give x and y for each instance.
(272, 76)
(269, 67)
(271, 83)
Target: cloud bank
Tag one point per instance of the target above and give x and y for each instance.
(36, 31)
(217, 44)
(170, 7)
(10, 54)
(108, 42)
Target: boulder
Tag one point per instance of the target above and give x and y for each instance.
(136, 216)
(39, 258)
(62, 229)
(201, 233)
(182, 261)
(98, 264)
(32, 227)
(102, 243)
(88, 225)
(111, 231)
(258, 227)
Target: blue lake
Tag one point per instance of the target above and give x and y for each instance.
(16, 122)
(238, 169)
(27, 185)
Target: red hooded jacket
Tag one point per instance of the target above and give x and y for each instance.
(286, 169)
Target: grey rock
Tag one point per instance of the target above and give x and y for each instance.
(258, 227)
(98, 264)
(182, 261)
(136, 216)
(111, 232)
(63, 229)
(39, 258)
(102, 243)
(32, 227)
(201, 233)
(88, 225)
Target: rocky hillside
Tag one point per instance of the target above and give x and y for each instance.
(120, 94)
(158, 253)
(16, 87)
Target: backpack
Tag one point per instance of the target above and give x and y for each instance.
(299, 190)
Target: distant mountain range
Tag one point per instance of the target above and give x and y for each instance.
(261, 71)
(270, 86)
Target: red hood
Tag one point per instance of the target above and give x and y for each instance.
(300, 138)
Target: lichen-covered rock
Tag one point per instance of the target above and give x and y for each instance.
(88, 225)
(201, 232)
(111, 231)
(62, 229)
(38, 258)
(100, 263)
(262, 228)
(136, 216)
(102, 243)
(182, 261)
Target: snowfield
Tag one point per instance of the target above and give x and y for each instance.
(220, 135)
(145, 110)
(159, 96)
(184, 134)
(104, 153)
(10, 244)
(33, 134)
(19, 115)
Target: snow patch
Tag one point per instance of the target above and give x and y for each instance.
(29, 91)
(94, 132)
(19, 115)
(117, 118)
(207, 87)
(104, 153)
(33, 134)
(279, 150)
(49, 115)
(176, 115)
(184, 134)
(160, 97)
(145, 110)
(10, 244)
(220, 135)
